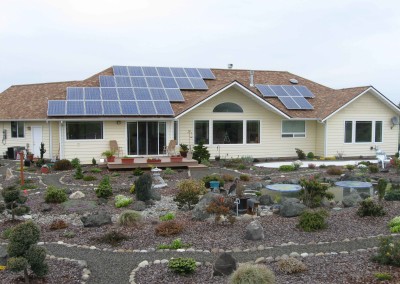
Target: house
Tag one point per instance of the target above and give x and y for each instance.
(235, 112)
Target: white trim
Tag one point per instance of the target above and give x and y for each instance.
(89, 140)
(50, 141)
(326, 138)
(353, 131)
(32, 135)
(305, 130)
(246, 91)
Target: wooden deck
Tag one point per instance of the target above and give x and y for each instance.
(143, 163)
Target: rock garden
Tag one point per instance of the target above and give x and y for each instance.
(218, 225)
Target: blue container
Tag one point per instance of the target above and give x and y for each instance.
(214, 184)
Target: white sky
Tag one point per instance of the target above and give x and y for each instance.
(336, 43)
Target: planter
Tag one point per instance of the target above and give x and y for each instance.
(217, 158)
(127, 160)
(29, 157)
(111, 159)
(243, 204)
(150, 161)
(44, 170)
(176, 159)
(183, 153)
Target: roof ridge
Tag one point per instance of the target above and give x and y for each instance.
(47, 83)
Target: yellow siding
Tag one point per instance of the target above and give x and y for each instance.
(56, 138)
(271, 142)
(368, 108)
(320, 141)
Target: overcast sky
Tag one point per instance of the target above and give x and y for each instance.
(336, 43)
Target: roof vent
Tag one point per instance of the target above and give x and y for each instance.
(251, 78)
(293, 81)
(230, 66)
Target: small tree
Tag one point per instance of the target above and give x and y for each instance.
(200, 152)
(42, 150)
(143, 187)
(15, 201)
(104, 190)
(189, 191)
(24, 252)
(382, 183)
(313, 192)
(78, 172)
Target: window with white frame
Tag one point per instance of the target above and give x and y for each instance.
(293, 128)
(201, 132)
(84, 130)
(253, 132)
(17, 129)
(363, 131)
(227, 132)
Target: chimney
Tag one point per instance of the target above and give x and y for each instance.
(251, 78)
(230, 66)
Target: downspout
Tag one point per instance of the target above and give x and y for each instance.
(325, 138)
(60, 130)
(50, 141)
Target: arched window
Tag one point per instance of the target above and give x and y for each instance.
(228, 107)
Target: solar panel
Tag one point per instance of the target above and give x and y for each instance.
(107, 81)
(75, 108)
(111, 108)
(289, 103)
(120, 71)
(278, 90)
(150, 71)
(56, 108)
(291, 91)
(178, 72)
(123, 82)
(154, 82)
(192, 72)
(198, 83)
(303, 103)
(129, 108)
(159, 94)
(93, 108)
(174, 95)
(304, 91)
(184, 83)
(109, 94)
(139, 82)
(142, 94)
(135, 71)
(74, 93)
(163, 108)
(169, 82)
(206, 73)
(164, 72)
(92, 93)
(126, 94)
(146, 108)
(265, 90)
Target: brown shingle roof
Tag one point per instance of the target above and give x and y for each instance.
(33, 98)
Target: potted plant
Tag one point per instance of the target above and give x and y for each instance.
(29, 156)
(109, 154)
(217, 158)
(176, 159)
(153, 160)
(45, 169)
(184, 150)
(127, 160)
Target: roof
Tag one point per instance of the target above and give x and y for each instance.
(326, 101)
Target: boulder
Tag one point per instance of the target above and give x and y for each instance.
(199, 212)
(9, 174)
(96, 220)
(45, 207)
(155, 194)
(352, 199)
(266, 200)
(225, 264)
(138, 206)
(77, 195)
(254, 231)
(254, 186)
(291, 208)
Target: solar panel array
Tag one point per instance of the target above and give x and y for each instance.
(292, 97)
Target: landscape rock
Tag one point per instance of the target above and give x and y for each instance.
(77, 195)
(254, 231)
(9, 174)
(352, 199)
(225, 264)
(96, 219)
(254, 186)
(155, 194)
(291, 208)
(199, 212)
(266, 200)
(3, 256)
(45, 207)
(138, 206)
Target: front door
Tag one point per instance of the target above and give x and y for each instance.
(37, 139)
(146, 137)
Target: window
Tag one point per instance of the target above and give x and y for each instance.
(363, 131)
(253, 131)
(176, 131)
(293, 128)
(348, 135)
(227, 132)
(228, 107)
(201, 131)
(17, 129)
(84, 130)
(378, 131)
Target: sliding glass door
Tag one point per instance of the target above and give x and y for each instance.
(146, 137)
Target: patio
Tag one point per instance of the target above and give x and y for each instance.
(143, 162)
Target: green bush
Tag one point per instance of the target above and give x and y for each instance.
(62, 165)
(382, 183)
(188, 192)
(370, 208)
(287, 168)
(394, 225)
(122, 201)
(313, 192)
(137, 172)
(169, 171)
(167, 217)
(36, 256)
(78, 172)
(16, 264)
(169, 228)
(244, 177)
(382, 276)
(291, 265)
(55, 195)
(96, 170)
(14, 202)
(350, 167)
(143, 187)
(388, 251)
(205, 162)
(392, 195)
(213, 177)
(104, 190)
(94, 161)
(300, 154)
(334, 171)
(228, 177)
(89, 178)
(373, 169)
(75, 162)
(310, 155)
(182, 265)
(175, 244)
(113, 238)
(200, 152)
(311, 221)
(129, 218)
(252, 273)
(6, 233)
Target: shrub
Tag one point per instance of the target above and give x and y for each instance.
(113, 238)
(388, 251)
(313, 192)
(334, 171)
(137, 172)
(297, 164)
(312, 166)
(310, 221)
(241, 167)
(322, 166)
(167, 217)
(200, 152)
(350, 167)
(287, 168)
(6, 233)
(175, 244)
(68, 234)
(58, 224)
(129, 218)
(94, 161)
(104, 190)
(373, 169)
(143, 187)
(291, 265)
(205, 162)
(228, 177)
(251, 273)
(78, 172)
(62, 165)
(89, 178)
(132, 189)
(213, 177)
(188, 192)
(169, 228)
(369, 208)
(392, 195)
(122, 201)
(232, 163)
(394, 225)
(221, 206)
(182, 265)
(75, 162)
(169, 171)
(55, 195)
(96, 170)
(382, 276)
(382, 183)
(300, 154)
(244, 177)
(310, 155)
(14, 201)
